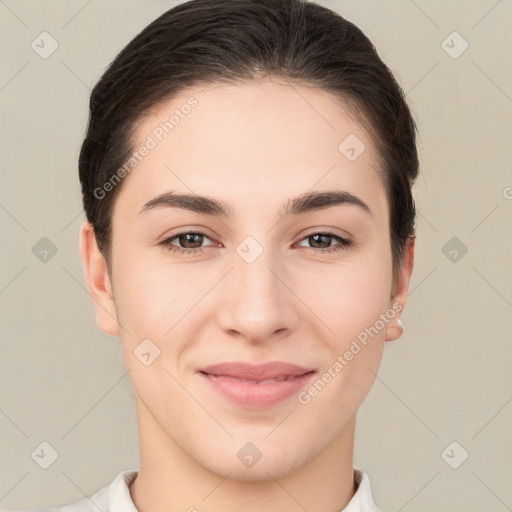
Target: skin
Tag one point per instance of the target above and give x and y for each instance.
(253, 146)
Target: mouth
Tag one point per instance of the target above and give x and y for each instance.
(256, 386)
(278, 370)
(281, 378)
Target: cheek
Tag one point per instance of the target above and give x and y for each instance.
(348, 296)
(152, 305)
(151, 300)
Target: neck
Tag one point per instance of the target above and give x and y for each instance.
(169, 479)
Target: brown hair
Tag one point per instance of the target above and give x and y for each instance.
(229, 41)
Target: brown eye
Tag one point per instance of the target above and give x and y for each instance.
(321, 241)
(190, 242)
(195, 239)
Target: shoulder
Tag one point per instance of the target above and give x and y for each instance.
(96, 503)
(107, 499)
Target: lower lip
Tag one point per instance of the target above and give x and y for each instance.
(255, 395)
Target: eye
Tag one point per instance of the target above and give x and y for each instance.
(196, 239)
(318, 238)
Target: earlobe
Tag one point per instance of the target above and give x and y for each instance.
(395, 327)
(98, 281)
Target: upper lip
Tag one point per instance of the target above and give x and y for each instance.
(247, 371)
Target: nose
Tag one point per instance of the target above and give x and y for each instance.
(260, 303)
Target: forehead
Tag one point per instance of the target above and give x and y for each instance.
(258, 140)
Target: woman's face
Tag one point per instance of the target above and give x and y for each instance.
(264, 286)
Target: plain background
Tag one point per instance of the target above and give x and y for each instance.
(448, 379)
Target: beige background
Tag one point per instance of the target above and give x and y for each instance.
(447, 379)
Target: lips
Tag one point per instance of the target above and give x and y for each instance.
(256, 386)
(273, 371)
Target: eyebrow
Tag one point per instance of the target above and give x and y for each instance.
(307, 202)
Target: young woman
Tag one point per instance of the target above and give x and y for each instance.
(246, 176)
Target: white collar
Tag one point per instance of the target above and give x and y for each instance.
(119, 499)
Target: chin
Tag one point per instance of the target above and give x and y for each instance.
(260, 472)
(275, 465)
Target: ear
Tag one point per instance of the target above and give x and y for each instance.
(401, 286)
(98, 281)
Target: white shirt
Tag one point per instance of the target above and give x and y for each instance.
(116, 497)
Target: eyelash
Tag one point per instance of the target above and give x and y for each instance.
(343, 243)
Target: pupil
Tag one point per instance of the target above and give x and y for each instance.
(189, 238)
(315, 237)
